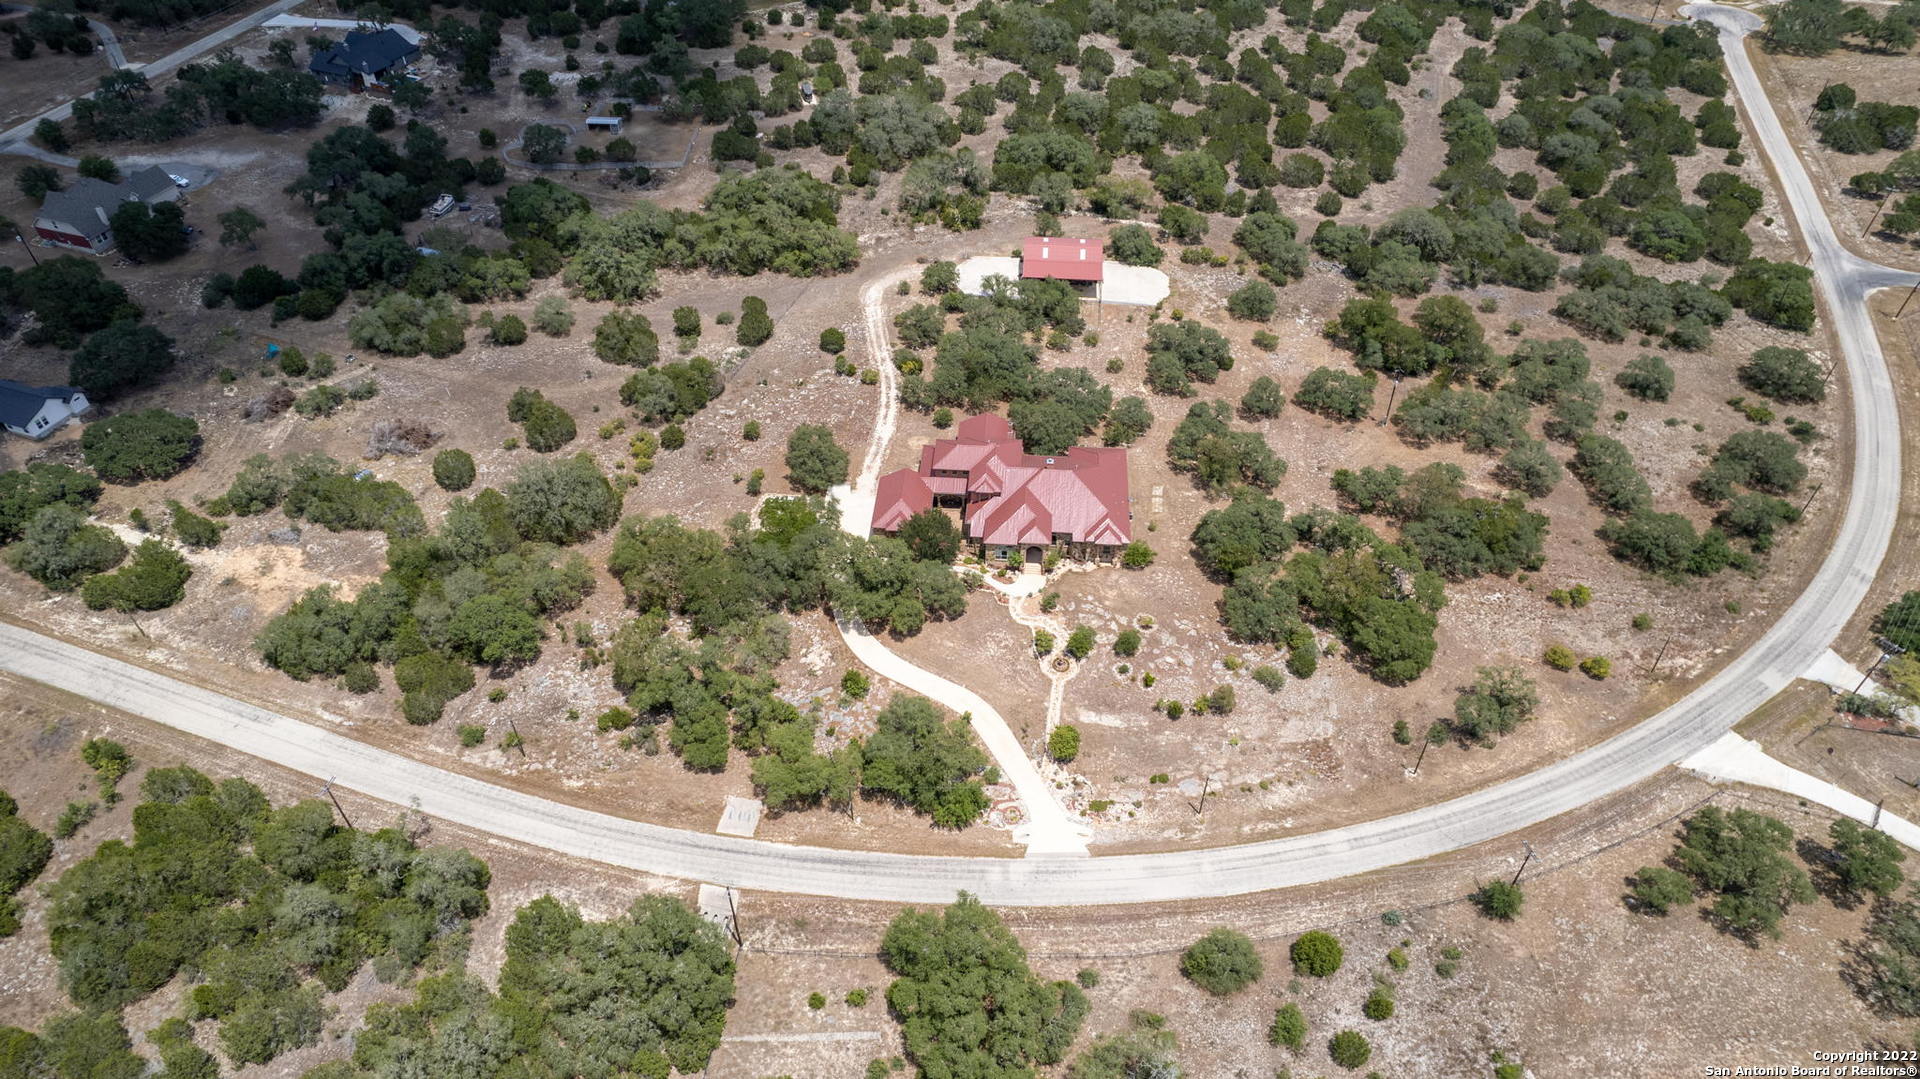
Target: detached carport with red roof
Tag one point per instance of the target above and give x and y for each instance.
(1067, 260)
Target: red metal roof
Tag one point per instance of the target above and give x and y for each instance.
(1013, 497)
(900, 495)
(1052, 256)
(1081, 494)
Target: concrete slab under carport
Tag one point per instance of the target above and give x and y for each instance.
(1135, 286)
(1132, 286)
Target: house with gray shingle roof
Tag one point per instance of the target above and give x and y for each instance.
(38, 411)
(366, 60)
(81, 216)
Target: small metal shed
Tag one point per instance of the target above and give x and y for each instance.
(605, 123)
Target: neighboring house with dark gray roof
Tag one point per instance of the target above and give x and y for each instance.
(366, 60)
(38, 411)
(81, 216)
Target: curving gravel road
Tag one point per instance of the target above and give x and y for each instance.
(1791, 646)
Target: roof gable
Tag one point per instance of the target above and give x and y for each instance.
(900, 495)
(89, 203)
(367, 52)
(1080, 494)
(1054, 256)
(20, 403)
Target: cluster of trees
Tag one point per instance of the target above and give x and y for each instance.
(1180, 353)
(1764, 461)
(1220, 458)
(1817, 27)
(1863, 863)
(399, 323)
(271, 906)
(57, 547)
(1776, 293)
(1784, 374)
(1610, 301)
(966, 999)
(1454, 535)
(24, 851)
(59, 30)
(986, 360)
(24, 492)
(75, 304)
(319, 489)
(1403, 256)
(546, 425)
(1445, 333)
(363, 189)
(1851, 126)
(1552, 373)
(672, 391)
(1902, 218)
(475, 592)
(155, 577)
(644, 993)
(1742, 859)
(777, 219)
(1662, 543)
(149, 233)
(224, 90)
(714, 685)
(151, 444)
(1336, 394)
(1377, 596)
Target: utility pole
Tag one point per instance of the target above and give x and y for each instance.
(331, 797)
(1424, 744)
(1523, 864)
(1388, 414)
(1869, 674)
(1205, 782)
(519, 743)
(1908, 300)
(22, 237)
(1662, 655)
(733, 921)
(1882, 208)
(1876, 814)
(1809, 501)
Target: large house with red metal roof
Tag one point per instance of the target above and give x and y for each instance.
(1015, 506)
